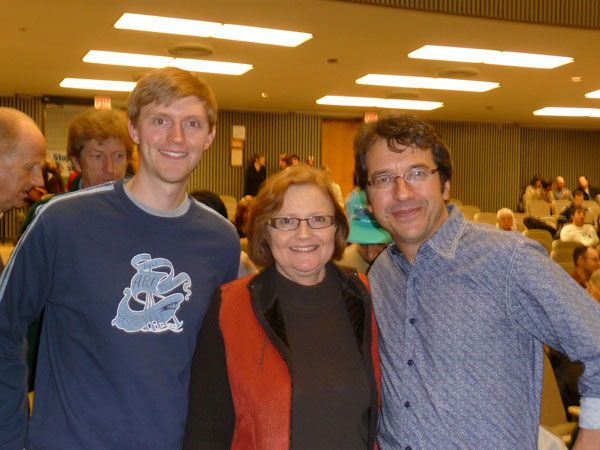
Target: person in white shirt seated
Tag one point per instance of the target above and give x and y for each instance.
(577, 231)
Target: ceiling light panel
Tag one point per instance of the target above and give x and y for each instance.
(97, 85)
(126, 59)
(593, 94)
(152, 61)
(568, 112)
(482, 56)
(368, 102)
(449, 84)
(171, 25)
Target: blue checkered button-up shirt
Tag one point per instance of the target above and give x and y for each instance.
(461, 334)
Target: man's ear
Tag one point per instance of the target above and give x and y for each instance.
(133, 132)
(446, 190)
(211, 138)
(76, 164)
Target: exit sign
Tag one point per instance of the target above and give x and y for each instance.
(101, 102)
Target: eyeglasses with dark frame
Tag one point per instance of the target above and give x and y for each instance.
(292, 223)
(413, 176)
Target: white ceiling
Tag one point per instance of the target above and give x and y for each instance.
(42, 41)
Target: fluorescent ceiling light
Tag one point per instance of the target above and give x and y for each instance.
(475, 55)
(97, 85)
(568, 112)
(593, 94)
(448, 84)
(136, 60)
(158, 24)
(127, 59)
(378, 103)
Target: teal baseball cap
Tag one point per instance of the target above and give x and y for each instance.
(364, 229)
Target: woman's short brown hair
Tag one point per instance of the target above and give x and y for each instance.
(270, 200)
(100, 125)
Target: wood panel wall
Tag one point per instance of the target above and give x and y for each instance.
(266, 133)
(492, 162)
(337, 150)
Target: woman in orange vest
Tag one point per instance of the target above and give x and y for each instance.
(288, 358)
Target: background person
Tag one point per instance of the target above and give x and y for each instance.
(211, 199)
(586, 262)
(256, 174)
(285, 161)
(366, 239)
(577, 231)
(589, 192)
(506, 220)
(99, 146)
(560, 192)
(22, 153)
(242, 211)
(286, 358)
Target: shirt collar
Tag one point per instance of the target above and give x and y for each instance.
(445, 240)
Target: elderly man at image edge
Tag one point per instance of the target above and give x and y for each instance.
(463, 309)
(22, 151)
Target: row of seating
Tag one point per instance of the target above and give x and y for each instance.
(541, 210)
(559, 251)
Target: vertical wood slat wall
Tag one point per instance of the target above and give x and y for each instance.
(486, 163)
(571, 13)
(492, 162)
(266, 133)
(33, 107)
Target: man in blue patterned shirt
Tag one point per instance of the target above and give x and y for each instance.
(463, 309)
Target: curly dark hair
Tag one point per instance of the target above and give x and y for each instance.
(400, 132)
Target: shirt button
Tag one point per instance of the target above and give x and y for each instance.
(410, 362)
(407, 404)
(412, 320)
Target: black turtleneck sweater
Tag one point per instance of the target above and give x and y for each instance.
(330, 387)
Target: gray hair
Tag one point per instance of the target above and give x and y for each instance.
(503, 211)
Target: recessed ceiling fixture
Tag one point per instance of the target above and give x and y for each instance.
(568, 112)
(367, 102)
(593, 94)
(137, 60)
(97, 85)
(186, 27)
(190, 50)
(482, 56)
(427, 83)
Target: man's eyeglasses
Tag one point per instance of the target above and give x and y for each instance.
(412, 176)
(292, 223)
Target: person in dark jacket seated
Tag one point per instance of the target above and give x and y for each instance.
(288, 358)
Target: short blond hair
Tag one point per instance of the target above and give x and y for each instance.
(167, 85)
